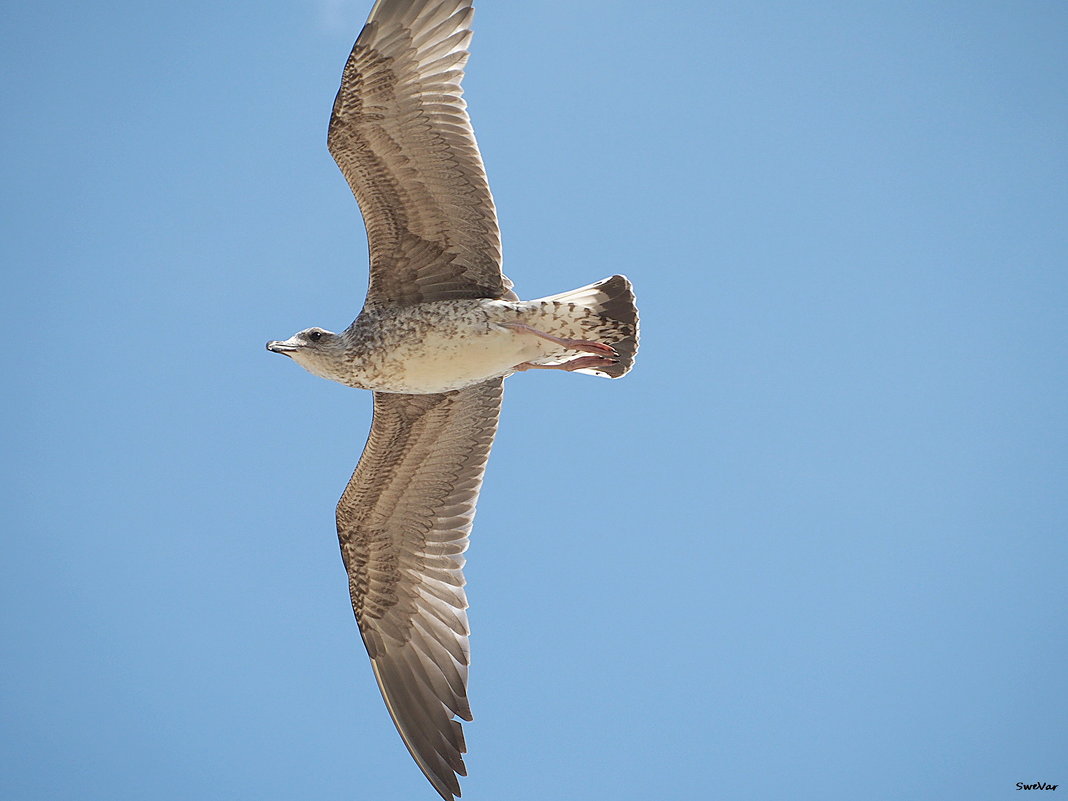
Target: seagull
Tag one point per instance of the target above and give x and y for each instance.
(439, 332)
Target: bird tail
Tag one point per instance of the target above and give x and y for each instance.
(605, 312)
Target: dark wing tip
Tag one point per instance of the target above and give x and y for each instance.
(433, 738)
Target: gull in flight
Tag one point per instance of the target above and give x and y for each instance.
(439, 332)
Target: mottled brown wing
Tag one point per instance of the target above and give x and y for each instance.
(401, 135)
(403, 524)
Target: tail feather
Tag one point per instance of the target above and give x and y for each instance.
(611, 301)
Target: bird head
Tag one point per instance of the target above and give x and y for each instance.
(317, 350)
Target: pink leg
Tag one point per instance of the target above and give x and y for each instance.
(575, 364)
(571, 344)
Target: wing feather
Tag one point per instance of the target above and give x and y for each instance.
(401, 135)
(403, 524)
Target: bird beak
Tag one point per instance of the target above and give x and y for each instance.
(274, 346)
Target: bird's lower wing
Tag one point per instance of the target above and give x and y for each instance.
(403, 523)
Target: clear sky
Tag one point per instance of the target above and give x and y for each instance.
(813, 547)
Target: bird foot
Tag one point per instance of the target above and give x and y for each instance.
(583, 345)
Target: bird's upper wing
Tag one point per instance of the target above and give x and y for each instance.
(403, 523)
(401, 135)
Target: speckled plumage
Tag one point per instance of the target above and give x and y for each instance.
(441, 346)
(440, 330)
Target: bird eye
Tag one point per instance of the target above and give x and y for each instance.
(315, 336)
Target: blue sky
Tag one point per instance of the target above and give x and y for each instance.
(812, 547)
